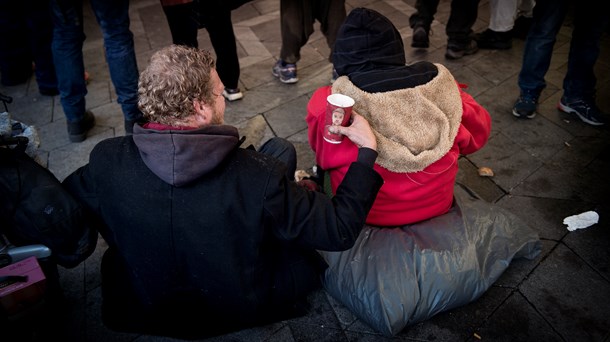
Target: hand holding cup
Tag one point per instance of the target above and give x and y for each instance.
(359, 132)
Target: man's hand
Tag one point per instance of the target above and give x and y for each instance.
(359, 132)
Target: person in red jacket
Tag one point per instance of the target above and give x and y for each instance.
(422, 119)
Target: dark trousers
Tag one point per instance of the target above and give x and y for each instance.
(183, 24)
(26, 32)
(283, 150)
(459, 27)
(297, 19)
(184, 21)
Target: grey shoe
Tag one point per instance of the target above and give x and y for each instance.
(457, 51)
(420, 37)
(286, 72)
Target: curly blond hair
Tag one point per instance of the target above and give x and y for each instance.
(175, 76)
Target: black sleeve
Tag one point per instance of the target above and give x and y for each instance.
(314, 220)
(367, 156)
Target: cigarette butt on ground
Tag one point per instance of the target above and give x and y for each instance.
(485, 172)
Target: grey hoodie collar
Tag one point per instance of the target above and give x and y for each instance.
(179, 157)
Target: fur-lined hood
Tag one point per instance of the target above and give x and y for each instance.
(414, 126)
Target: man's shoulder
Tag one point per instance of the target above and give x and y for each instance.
(113, 142)
(112, 146)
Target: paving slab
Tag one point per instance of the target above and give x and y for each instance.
(571, 296)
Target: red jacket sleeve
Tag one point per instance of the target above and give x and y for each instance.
(476, 125)
(316, 109)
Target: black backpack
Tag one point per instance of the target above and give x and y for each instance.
(36, 209)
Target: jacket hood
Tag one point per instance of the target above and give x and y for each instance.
(179, 157)
(414, 127)
(367, 40)
(370, 51)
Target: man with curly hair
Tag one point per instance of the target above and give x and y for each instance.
(203, 236)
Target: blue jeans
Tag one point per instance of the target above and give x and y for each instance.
(590, 21)
(68, 38)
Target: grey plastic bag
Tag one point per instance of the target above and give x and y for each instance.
(396, 277)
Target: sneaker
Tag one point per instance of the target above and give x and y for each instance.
(232, 94)
(420, 37)
(526, 105)
(334, 76)
(456, 51)
(286, 72)
(490, 39)
(586, 111)
(77, 131)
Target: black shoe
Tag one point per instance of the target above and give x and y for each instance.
(420, 37)
(77, 131)
(490, 39)
(129, 125)
(48, 91)
(526, 105)
(456, 51)
(521, 27)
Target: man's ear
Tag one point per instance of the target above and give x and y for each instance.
(198, 106)
(202, 111)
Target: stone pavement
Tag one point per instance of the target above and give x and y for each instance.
(546, 169)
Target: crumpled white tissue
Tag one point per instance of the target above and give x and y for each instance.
(580, 221)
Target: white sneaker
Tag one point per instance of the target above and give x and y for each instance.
(232, 94)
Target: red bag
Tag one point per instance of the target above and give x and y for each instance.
(22, 285)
